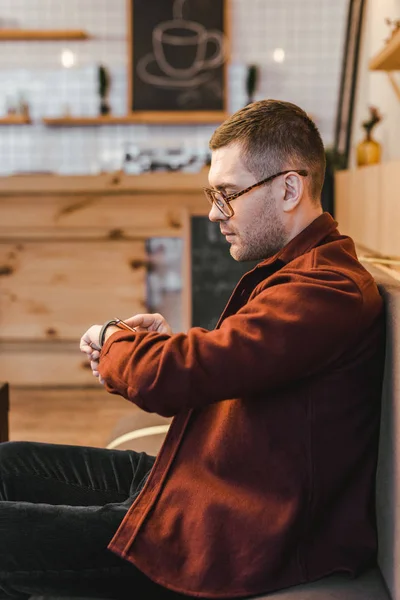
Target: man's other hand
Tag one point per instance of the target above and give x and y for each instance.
(90, 345)
(90, 340)
(149, 322)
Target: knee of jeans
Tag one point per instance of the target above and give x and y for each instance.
(11, 452)
(13, 459)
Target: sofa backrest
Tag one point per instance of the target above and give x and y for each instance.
(388, 474)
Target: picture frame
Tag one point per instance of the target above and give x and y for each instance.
(348, 82)
(178, 60)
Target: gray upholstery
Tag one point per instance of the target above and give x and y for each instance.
(369, 586)
(388, 475)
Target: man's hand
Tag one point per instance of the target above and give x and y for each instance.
(149, 322)
(90, 345)
(90, 340)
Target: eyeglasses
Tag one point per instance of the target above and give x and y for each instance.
(222, 202)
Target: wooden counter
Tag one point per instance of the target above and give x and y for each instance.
(72, 253)
(108, 183)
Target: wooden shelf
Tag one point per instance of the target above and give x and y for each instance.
(15, 120)
(388, 58)
(165, 118)
(42, 34)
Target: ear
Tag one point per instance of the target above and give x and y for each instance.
(294, 189)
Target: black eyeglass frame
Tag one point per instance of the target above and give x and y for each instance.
(209, 192)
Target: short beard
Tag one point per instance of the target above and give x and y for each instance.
(263, 239)
(256, 251)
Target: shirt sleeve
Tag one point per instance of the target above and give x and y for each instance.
(295, 327)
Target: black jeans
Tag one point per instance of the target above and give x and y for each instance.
(59, 508)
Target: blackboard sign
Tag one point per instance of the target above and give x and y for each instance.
(177, 55)
(214, 272)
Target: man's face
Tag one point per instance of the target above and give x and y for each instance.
(256, 230)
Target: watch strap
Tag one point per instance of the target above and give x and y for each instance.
(104, 329)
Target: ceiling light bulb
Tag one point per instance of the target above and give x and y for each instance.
(67, 59)
(279, 55)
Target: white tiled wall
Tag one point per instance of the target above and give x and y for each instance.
(309, 31)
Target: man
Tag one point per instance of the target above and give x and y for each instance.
(266, 477)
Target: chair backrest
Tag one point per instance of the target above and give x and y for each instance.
(4, 407)
(388, 475)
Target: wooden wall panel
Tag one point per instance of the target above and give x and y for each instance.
(355, 207)
(57, 289)
(365, 206)
(342, 201)
(48, 364)
(367, 203)
(371, 208)
(80, 212)
(390, 207)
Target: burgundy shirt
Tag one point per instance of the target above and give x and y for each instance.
(266, 477)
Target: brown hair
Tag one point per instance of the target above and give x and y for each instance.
(276, 135)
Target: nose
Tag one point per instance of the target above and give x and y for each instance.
(215, 215)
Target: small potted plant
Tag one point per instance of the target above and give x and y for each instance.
(251, 82)
(369, 150)
(104, 88)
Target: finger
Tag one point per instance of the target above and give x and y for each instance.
(95, 355)
(94, 365)
(90, 339)
(101, 380)
(94, 346)
(87, 346)
(84, 341)
(96, 373)
(143, 320)
(84, 347)
(134, 321)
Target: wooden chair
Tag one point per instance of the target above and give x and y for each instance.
(4, 408)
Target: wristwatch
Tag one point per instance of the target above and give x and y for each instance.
(118, 323)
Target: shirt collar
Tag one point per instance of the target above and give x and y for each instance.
(308, 238)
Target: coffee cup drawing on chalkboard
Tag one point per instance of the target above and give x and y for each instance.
(179, 57)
